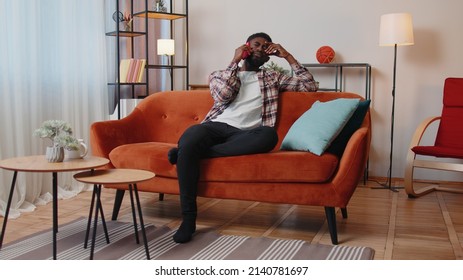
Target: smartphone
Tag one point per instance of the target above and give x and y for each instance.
(245, 53)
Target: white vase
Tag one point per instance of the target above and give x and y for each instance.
(55, 154)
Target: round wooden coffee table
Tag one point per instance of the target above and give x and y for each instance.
(114, 176)
(40, 164)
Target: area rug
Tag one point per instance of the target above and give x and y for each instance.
(206, 245)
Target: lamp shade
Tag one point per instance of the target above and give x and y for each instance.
(166, 47)
(396, 29)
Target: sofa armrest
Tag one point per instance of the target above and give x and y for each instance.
(352, 163)
(107, 135)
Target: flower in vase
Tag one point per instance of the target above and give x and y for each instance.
(59, 132)
(127, 20)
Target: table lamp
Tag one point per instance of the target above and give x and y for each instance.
(166, 47)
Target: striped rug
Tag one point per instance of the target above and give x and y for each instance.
(206, 245)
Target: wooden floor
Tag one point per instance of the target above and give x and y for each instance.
(396, 227)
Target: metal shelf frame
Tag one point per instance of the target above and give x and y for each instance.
(339, 75)
(148, 14)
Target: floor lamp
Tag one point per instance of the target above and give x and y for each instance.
(395, 30)
(167, 47)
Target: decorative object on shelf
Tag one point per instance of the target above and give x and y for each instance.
(118, 17)
(325, 54)
(395, 30)
(159, 6)
(126, 19)
(273, 66)
(128, 22)
(60, 134)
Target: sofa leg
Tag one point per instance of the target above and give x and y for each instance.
(331, 219)
(344, 212)
(161, 196)
(117, 203)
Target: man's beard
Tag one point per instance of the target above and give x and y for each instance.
(256, 61)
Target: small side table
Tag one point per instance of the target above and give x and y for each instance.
(108, 177)
(40, 164)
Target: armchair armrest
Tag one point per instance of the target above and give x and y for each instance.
(421, 129)
(352, 164)
(416, 139)
(107, 135)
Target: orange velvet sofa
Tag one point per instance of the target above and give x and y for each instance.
(142, 139)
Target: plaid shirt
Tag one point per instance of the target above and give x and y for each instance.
(225, 85)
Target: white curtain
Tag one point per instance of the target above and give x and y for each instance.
(52, 66)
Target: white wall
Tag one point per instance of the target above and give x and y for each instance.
(351, 27)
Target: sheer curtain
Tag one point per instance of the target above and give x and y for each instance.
(52, 66)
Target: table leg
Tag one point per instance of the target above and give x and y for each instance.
(103, 221)
(142, 224)
(95, 221)
(134, 216)
(8, 205)
(90, 216)
(55, 211)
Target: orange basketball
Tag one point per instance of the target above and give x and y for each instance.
(325, 54)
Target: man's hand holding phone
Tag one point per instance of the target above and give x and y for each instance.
(243, 52)
(246, 52)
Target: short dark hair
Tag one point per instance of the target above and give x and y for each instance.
(260, 35)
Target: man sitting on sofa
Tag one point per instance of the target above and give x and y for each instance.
(241, 120)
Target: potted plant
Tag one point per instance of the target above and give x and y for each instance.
(60, 134)
(159, 6)
(275, 67)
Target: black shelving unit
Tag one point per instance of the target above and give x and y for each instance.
(171, 17)
(148, 14)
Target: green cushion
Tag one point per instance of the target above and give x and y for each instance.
(317, 127)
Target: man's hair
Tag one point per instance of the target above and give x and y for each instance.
(260, 35)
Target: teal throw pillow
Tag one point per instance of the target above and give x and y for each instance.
(317, 127)
(339, 144)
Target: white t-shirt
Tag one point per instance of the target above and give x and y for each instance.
(245, 112)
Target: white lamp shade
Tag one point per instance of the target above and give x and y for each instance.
(396, 29)
(166, 47)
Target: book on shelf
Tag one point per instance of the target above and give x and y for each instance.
(134, 78)
(123, 70)
(131, 70)
(141, 70)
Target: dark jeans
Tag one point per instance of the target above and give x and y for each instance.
(214, 139)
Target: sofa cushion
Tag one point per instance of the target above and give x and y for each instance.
(339, 144)
(317, 127)
(150, 156)
(276, 166)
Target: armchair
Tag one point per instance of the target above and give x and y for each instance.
(448, 143)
